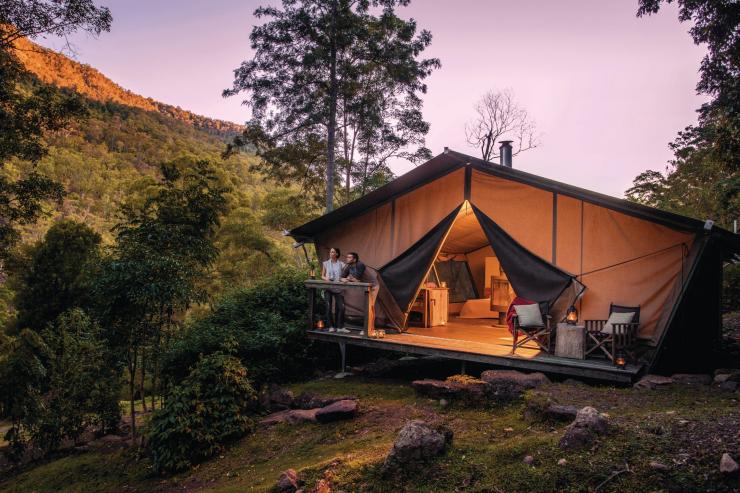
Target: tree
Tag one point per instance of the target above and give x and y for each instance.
(499, 115)
(163, 249)
(26, 115)
(58, 383)
(318, 60)
(55, 276)
(715, 23)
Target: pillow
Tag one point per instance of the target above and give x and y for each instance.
(617, 318)
(529, 315)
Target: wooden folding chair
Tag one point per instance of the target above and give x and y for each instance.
(621, 338)
(540, 334)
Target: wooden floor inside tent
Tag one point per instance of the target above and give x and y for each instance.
(482, 336)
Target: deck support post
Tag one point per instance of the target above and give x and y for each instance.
(463, 367)
(343, 351)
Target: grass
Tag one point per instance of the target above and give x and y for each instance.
(686, 428)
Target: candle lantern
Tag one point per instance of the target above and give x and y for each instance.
(620, 361)
(319, 324)
(571, 316)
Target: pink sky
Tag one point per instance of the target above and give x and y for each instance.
(608, 90)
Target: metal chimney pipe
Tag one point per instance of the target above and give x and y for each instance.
(505, 153)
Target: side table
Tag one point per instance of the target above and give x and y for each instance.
(570, 341)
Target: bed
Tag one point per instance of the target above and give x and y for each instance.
(478, 308)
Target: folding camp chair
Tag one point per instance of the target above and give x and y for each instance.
(540, 334)
(622, 336)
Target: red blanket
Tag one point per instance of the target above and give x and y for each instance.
(510, 313)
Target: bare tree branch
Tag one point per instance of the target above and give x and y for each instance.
(498, 115)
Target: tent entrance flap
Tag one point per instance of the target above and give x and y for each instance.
(466, 230)
(531, 276)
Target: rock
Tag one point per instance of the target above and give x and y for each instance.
(539, 407)
(733, 373)
(727, 464)
(470, 391)
(290, 416)
(729, 386)
(287, 482)
(313, 401)
(658, 466)
(506, 385)
(722, 377)
(529, 460)
(322, 486)
(692, 378)
(344, 409)
(651, 382)
(342, 374)
(562, 462)
(589, 423)
(444, 403)
(417, 442)
(274, 398)
(683, 422)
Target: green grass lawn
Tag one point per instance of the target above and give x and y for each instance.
(686, 428)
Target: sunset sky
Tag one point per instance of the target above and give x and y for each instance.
(608, 90)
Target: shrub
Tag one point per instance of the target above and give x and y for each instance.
(263, 325)
(210, 407)
(57, 384)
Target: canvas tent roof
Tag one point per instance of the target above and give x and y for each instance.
(450, 160)
(625, 253)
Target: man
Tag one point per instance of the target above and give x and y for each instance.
(353, 269)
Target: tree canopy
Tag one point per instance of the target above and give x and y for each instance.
(329, 77)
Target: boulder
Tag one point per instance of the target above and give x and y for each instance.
(728, 386)
(727, 464)
(471, 391)
(540, 407)
(313, 401)
(416, 443)
(287, 482)
(692, 378)
(336, 411)
(290, 416)
(589, 423)
(275, 398)
(510, 384)
(651, 382)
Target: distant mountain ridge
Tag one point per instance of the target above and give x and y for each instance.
(56, 69)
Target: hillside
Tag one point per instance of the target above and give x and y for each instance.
(110, 157)
(54, 68)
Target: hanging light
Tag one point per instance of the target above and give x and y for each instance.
(571, 316)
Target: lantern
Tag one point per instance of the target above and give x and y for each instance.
(571, 316)
(319, 324)
(620, 361)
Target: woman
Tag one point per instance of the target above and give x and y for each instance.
(331, 270)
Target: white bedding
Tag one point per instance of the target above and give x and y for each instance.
(480, 308)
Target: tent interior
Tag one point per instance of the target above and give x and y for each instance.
(478, 291)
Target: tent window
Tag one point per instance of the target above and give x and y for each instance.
(459, 281)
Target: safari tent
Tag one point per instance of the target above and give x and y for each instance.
(490, 233)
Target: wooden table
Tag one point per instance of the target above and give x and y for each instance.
(570, 341)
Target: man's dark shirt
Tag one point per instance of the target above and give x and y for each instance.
(355, 270)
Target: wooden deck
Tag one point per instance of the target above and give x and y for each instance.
(479, 340)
